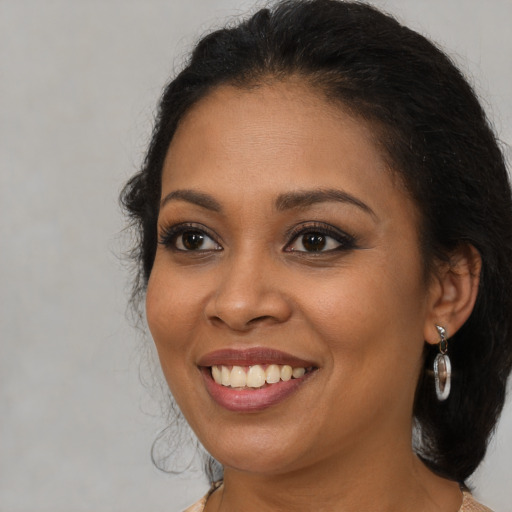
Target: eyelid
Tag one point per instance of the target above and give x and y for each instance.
(168, 235)
(345, 240)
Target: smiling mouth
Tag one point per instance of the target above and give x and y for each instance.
(253, 379)
(256, 376)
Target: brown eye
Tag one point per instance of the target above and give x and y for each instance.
(320, 239)
(313, 242)
(195, 241)
(190, 241)
(188, 238)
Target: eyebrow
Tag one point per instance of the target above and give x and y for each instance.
(190, 196)
(286, 201)
(305, 198)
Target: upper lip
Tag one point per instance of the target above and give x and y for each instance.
(252, 356)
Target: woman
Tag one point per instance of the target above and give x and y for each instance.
(325, 231)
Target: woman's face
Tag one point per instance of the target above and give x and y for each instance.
(286, 242)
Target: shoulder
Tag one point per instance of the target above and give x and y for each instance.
(199, 505)
(469, 504)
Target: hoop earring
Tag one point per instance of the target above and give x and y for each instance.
(442, 367)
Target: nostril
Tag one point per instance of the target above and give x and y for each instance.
(242, 325)
(245, 309)
(259, 319)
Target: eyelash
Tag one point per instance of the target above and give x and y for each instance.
(346, 242)
(170, 235)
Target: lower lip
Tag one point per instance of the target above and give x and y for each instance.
(251, 399)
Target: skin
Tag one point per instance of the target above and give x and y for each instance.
(360, 311)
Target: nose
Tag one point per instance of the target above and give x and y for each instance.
(248, 293)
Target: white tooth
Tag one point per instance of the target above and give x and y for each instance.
(255, 376)
(286, 372)
(273, 374)
(298, 372)
(217, 374)
(225, 376)
(238, 377)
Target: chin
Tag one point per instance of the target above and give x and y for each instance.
(258, 450)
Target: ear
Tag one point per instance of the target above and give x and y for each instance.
(453, 292)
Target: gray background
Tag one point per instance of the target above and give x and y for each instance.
(79, 81)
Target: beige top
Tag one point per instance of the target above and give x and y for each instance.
(469, 504)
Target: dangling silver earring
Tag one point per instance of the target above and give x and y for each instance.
(442, 367)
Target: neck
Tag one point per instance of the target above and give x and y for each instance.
(382, 477)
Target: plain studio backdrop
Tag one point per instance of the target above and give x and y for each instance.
(79, 80)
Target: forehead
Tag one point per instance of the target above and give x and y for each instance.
(274, 136)
(291, 107)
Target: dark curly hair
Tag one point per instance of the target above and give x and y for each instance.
(436, 137)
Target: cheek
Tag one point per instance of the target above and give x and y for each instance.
(173, 312)
(369, 297)
(172, 316)
(372, 318)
